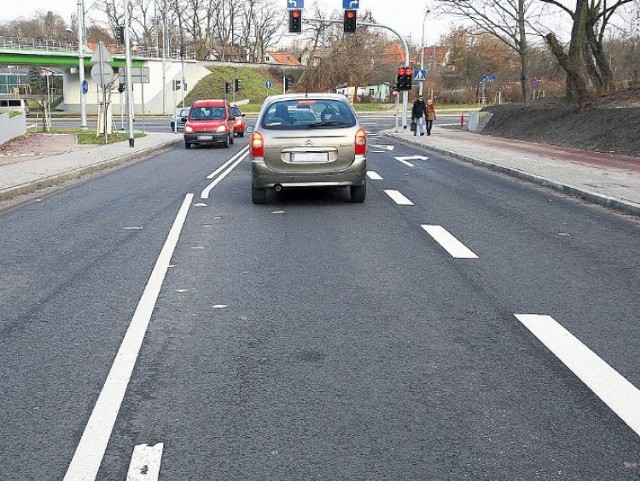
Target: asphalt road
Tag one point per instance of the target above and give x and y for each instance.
(312, 338)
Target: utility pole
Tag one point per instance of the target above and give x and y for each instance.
(420, 87)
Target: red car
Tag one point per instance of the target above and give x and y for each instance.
(209, 122)
(238, 123)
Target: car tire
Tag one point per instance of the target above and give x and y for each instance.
(226, 142)
(231, 139)
(241, 134)
(258, 195)
(358, 193)
(187, 145)
(173, 126)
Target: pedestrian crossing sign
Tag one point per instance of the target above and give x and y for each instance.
(419, 75)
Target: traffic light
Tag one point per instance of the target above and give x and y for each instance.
(405, 75)
(288, 82)
(227, 87)
(121, 87)
(295, 21)
(350, 21)
(120, 34)
(237, 84)
(176, 85)
(183, 50)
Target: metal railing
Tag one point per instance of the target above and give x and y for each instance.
(59, 46)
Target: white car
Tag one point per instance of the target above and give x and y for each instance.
(179, 119)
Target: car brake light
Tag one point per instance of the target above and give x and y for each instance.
(257, 146)
(361, 142)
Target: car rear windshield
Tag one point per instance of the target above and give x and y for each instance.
(207, 113)
(305, 114)
(235, 111)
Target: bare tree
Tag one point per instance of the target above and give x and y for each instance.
(585, 59)
(507, 20)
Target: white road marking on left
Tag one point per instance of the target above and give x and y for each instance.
(412, 157)
(373, 175)
(145, 463)
(608, 384)
(452, 245)
(133, 228)
(88, 455)
(398, 198)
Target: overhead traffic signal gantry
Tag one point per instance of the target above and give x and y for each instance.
(295, 20)
(350, 21)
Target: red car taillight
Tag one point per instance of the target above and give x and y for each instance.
(361, 142)
(257, 147)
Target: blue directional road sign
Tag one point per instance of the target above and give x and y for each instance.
(419, 75)
(350, 4)
(487, 78)
(85, 86)
(295, 4)
(268, 84)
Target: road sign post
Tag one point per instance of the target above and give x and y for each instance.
(102, 74)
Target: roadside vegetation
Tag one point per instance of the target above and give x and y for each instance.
(89, 137)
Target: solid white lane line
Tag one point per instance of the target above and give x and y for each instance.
(93, 443)
(619, 394)
(373, 175)
(205, 193)
(398, 198)
(452, 245)
(145, 463)
(224, 166)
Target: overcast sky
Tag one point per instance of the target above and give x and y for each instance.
(404, 16)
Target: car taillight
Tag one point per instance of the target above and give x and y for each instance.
(361, 142)
(238, 121)
(257, 147)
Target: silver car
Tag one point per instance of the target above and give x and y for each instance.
(307, 140)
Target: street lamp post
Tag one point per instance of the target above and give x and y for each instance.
(83, 98)
(420, 87)
(129, 84)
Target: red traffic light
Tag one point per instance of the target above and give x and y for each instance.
(295, 13)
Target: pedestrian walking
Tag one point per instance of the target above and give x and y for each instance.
(431, 115)
(418, 114)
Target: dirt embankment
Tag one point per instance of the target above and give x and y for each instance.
(612, 125)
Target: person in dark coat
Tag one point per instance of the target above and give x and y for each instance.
(418, 114)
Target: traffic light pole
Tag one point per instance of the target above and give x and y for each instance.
(405, 94)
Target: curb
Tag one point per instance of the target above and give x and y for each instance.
(626, 207)
(50, 181)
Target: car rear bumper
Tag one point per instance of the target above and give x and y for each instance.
(205, 137)
(263, 177)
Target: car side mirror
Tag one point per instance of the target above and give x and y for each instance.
(183, 119)
(244, 115)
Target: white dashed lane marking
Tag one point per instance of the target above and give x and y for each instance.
(373, 175)
(452, 245)
(145, 463)
(610, 386)
(398, 198)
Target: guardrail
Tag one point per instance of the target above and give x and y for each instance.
(50, 45)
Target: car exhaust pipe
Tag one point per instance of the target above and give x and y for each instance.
(278, 187)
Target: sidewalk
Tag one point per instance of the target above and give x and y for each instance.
(37, 164)
(605, 179)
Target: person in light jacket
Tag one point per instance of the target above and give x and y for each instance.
(431, 115)
(418, 113)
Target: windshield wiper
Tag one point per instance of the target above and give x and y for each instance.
(328, 123)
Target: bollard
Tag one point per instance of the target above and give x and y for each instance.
(462, 121)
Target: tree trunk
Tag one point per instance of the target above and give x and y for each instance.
(575, 76)
(523, 52)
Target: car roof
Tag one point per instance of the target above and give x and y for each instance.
(209, 103)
